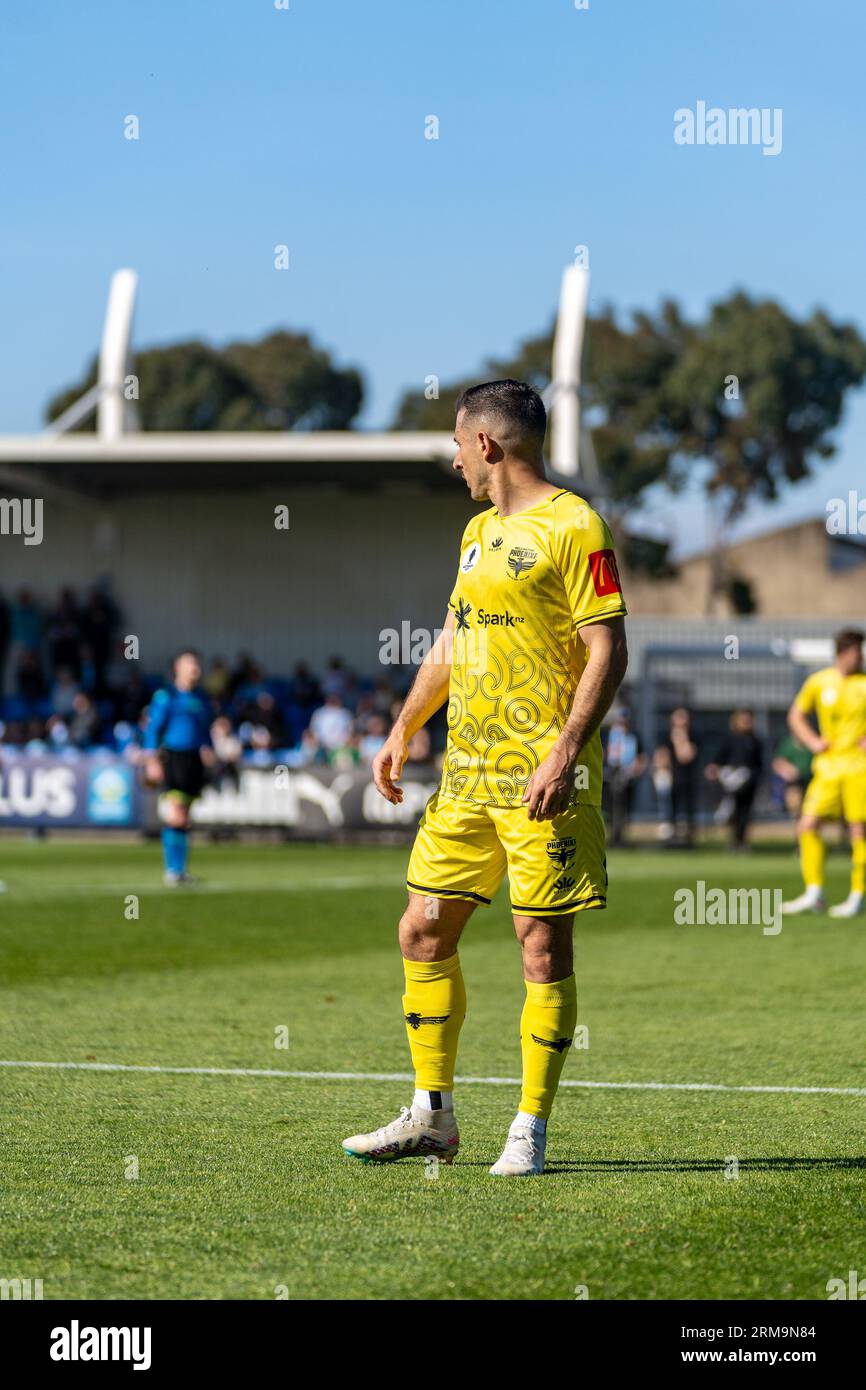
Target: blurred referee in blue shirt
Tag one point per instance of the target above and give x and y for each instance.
(178, 742)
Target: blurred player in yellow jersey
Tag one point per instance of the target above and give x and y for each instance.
(530, 657)
(836, 698)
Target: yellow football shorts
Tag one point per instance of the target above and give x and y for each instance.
(836, 790)
(554, 867)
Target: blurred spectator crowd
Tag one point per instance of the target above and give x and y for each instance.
(689, 775)
(69, 687)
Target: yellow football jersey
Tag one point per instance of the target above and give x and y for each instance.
(525, 584)
(839, 705)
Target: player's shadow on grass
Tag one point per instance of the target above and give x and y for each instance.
(703, 1165)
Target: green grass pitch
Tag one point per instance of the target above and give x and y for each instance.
(242, 1190)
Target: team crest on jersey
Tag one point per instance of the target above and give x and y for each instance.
(561, 851)
(470, 559)
(521, 561)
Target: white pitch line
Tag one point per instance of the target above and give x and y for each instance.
(112, 890)
(461, 1080)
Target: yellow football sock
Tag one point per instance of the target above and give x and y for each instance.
(434, 1007)
(812, 858)
(547, 1027)
(858, 866)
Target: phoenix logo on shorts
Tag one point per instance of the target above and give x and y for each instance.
(415, 1020)
(561, 851)
(462, 614)
(521, 560)
(556, 1045)
(605, 575)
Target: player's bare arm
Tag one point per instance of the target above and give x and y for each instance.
(801, 728)
(153, 770)
(429, 692)
(551, 786)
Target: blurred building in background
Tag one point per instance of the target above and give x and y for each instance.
(798, 571)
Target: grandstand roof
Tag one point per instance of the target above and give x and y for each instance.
(89, 464)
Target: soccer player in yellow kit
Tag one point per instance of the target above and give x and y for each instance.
(530, 657)
(836, 697)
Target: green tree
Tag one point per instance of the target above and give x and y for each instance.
(746, 401)
(295, 385)
(282, 382)
(755, 396)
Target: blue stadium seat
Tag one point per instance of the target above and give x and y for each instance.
(15, 708)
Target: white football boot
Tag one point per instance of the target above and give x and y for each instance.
(416, 1133)
(852, 905)
(812, 900)
(523, 1155)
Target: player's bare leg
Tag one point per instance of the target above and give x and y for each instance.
(430, 928)
(546, 1032)
(853, 904)
(433, 1008)
(547, 946)
(812, 861)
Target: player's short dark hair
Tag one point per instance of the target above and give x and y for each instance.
(849, 637)
(515, 403)
(185, 651)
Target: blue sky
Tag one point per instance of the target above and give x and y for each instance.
(408, 256)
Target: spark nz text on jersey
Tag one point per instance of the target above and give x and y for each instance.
(486, 619)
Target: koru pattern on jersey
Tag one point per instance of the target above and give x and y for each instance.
(525, 586)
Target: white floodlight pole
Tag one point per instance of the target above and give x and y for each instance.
(565, 386)
(114, 354)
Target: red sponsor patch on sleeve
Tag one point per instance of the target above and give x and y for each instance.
(605, 575)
